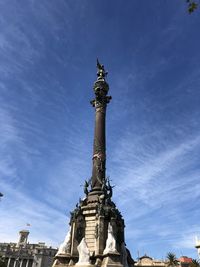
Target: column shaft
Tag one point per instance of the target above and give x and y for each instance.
(99, 153)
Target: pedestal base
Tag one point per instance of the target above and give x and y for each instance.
(96, 220)
(108, 260)
(111, 260)
(64, 260)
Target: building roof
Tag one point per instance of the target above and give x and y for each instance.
(185, 259)
(145, 257)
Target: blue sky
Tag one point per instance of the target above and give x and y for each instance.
(48, 52)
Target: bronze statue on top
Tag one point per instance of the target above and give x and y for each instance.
(101, 73)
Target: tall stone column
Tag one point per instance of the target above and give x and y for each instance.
(100, 102)
(97, 226)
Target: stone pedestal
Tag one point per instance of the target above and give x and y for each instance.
(97, 221)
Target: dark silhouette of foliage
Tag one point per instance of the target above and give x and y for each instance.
(192, 5)
(2, 263)
(171, 260)
(195, 263)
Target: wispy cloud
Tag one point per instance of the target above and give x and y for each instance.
(18, 209)
(157, 187)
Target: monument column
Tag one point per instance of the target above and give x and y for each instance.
(100, 102)
(96, 235)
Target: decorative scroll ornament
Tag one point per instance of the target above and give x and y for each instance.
(110, 242)
(84, 254)
(65, 246)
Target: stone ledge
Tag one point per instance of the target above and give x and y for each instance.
(89, 211)
(91, 222)
(90, 227)
(90, 219)
(111, 260)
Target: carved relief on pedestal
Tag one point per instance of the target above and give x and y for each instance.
(98, 168)
(80, 228)
(77, 223)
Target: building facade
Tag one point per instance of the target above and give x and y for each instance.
(23, 254)
(147, 261)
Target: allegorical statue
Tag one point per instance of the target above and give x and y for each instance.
(110, 242)
(65, 246)
(84, 253)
